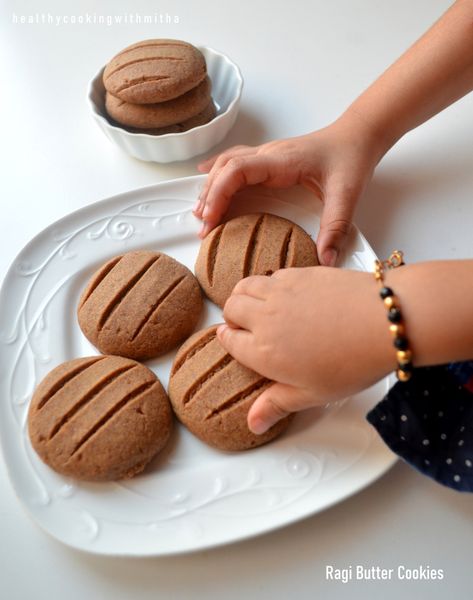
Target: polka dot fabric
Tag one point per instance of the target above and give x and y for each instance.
(428, 422)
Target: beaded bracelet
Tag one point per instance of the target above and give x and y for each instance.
(397, 326)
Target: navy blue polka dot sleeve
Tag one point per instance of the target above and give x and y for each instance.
(428, 422)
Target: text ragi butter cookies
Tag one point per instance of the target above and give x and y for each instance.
(140, 305)
(99, 418)
(254, 244)
(158, 84)
(211, 394)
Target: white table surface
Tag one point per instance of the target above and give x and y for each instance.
(303, 62)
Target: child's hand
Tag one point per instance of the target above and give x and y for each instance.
(320, 333)
(336, 163)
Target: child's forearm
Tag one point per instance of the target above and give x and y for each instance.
(437, 303)
(435, 72)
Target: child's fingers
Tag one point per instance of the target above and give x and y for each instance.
(257, 286)
(236, 174)
(208, 163)
(335, 225)
(275, 403)
(242, 311)
(237, 342)
(216, 163)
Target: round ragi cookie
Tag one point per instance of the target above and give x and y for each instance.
(154, 71)
(201, 118)
(162, 114)
(140, 305)
(254, 244)
(99, 418)
(211, 394)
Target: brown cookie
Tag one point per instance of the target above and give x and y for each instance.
(99, 418)
(202, 118)
(211, 394)
(162, 114)
(154, 71)
(140, 305)
(255, 244)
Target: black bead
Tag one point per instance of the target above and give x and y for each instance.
(406, 367)
(394, 315)
(385, 292)
(401, 343)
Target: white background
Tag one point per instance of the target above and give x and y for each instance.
(303, 62)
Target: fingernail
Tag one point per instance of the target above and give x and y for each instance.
(221, 329)
(204, 230)
(259, 426)
(205, 214)
(196, 205)
(329, 257)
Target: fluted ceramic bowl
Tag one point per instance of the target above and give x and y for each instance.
(227, 85)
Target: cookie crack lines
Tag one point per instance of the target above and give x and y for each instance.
(192, 352)
(67, 378)
(121, 295)
(213, 250)
(259, 387)
(216, 368)
(142, 79)
(284, 257)
(133, 395)
(100, 276)
(251, 252)
(89, 396)
(155, 306)
(141, 60)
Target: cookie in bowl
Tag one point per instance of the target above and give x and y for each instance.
(154, 70)
(205, 116)
(184, 138)
(162, 114)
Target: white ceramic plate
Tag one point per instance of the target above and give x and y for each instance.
(191, 497)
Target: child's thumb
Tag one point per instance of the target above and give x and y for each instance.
(335, 225)
(275, 403)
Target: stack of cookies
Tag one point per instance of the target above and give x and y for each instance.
(158, 86)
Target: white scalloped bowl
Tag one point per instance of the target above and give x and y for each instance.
(227, 85)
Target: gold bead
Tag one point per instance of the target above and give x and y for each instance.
(403, 375)
(404, 356)
(390, 302)
(378, 276)
(397, 258)
(396, 329)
